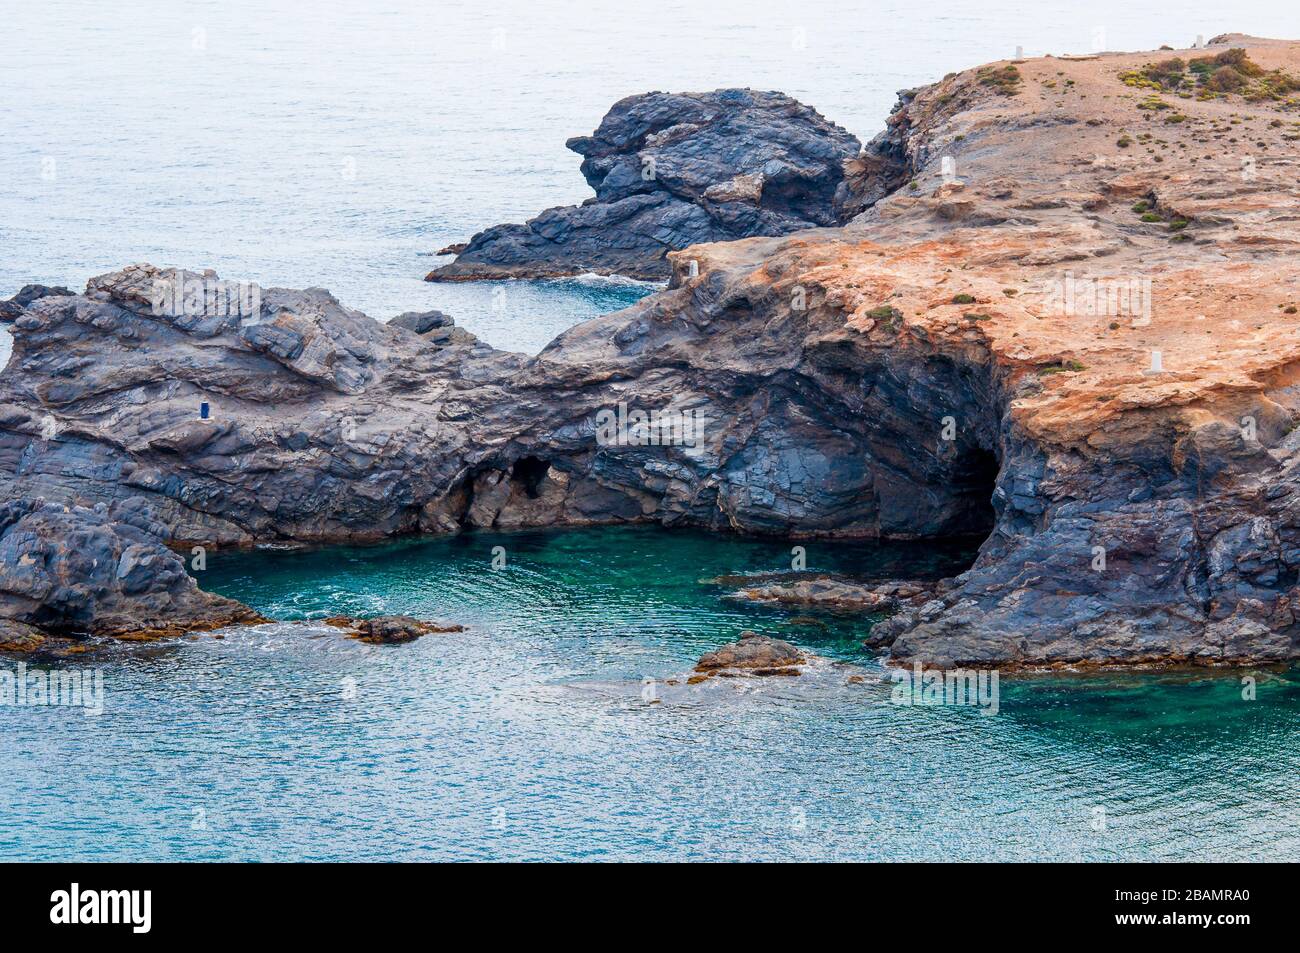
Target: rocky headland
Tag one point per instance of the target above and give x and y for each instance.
(1070, 326)
(671, 170)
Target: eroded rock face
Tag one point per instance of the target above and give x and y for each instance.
(97, 571)
(676, 169)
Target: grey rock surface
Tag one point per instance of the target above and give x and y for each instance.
(98, 571)
(671, 170)
(836, 594)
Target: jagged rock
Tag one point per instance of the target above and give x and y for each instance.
(751, 654)
(675, 169)
(421, 322)
(433, 326)
(20, 637)
(97, 571)
(389, 629)
(9, 310)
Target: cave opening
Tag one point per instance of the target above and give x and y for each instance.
(529, 472)
(978, 474)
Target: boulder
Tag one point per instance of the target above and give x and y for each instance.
(422, 322)
(835, 593)
(389, 629)
(751, 654)
(101, 570)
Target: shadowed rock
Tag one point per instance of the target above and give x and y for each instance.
(840, 595)
(671, 170)
(422, 322)
(100, 571)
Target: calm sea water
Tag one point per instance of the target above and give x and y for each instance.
(320, 143)
(313, 144)
(529, 736)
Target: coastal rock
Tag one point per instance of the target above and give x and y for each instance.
(97, 571)
(389, 629)
(751, 654)
(676, 169)
(433, 326)
(10, 309)
(422, 322)
(20, 637)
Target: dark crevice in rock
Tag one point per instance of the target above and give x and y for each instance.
(529, 472)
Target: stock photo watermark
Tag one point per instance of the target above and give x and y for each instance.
(960, 687)
(203, 296)
(26, 687)
(625, 426)
(1127, 296)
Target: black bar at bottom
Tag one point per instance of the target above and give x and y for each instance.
(300, 902)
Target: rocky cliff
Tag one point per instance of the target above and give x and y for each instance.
(1073, 331)
(671, 170)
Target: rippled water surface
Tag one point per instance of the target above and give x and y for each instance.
(530, 735)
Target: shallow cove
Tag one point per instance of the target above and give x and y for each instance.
(527, 736)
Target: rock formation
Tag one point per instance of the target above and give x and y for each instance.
(389, 629)
(1078, 339)
(833, 593)
(433, 326)
(671, 170)
(97, 571)
(751, 654)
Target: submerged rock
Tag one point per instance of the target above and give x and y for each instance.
(751, 654)
(671, 170)
(26, 295)
(389, 629)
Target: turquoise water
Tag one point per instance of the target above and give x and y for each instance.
(528, 735)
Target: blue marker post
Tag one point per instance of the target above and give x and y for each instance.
(204, 411)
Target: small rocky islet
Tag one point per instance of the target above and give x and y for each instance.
(876, 337)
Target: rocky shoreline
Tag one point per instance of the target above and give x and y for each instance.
(924, 371)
